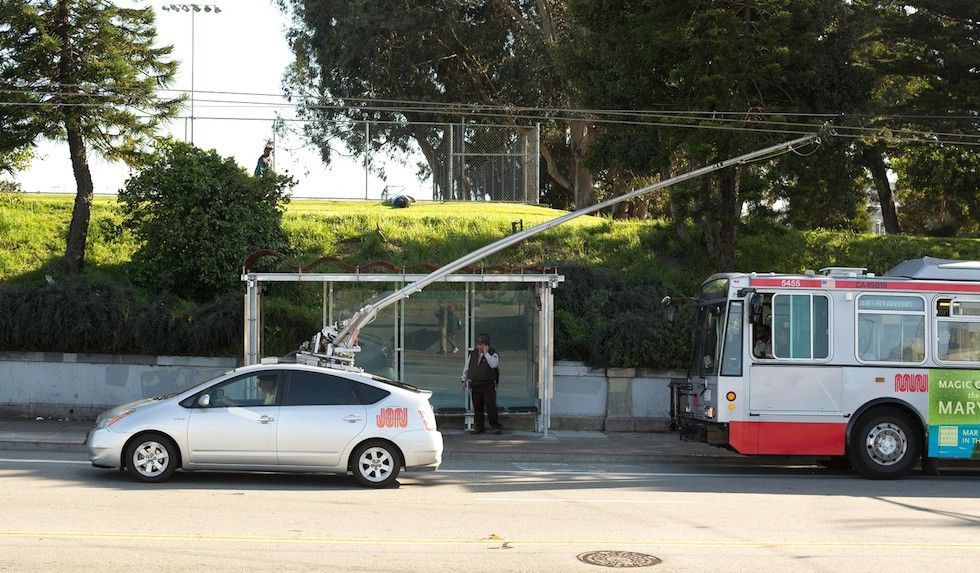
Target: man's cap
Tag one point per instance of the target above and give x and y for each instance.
(268, 145)
(483, 339)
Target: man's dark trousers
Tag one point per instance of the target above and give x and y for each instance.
(484, 396)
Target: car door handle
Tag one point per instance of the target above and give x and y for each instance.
(353, 418)
(266, 419)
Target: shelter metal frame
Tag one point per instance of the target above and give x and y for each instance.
(544, 283)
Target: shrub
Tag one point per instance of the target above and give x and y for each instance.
(197, 216)
(97, 314)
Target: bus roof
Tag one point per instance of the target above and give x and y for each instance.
(925, 274)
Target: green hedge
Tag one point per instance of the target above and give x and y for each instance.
(107, 316)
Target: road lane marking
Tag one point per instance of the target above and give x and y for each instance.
(324, 540)
(578, 500)
(42, 461)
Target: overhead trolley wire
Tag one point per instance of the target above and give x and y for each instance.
(466, 107)
(709, 120)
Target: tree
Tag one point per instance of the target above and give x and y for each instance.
(761, 56)
(197, 216)
(85, 71)
(15, 159)
(938, 190)
(924, 54)
(389, 62)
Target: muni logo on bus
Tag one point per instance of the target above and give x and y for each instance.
(912, 382)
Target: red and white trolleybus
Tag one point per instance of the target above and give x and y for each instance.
(884, 370)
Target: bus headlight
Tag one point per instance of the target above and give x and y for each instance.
(709, 412)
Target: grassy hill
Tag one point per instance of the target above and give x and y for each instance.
(607, 310)
(33, 227)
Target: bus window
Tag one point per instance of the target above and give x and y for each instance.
(958, 330)
(800, 326)
(891, 328)
(732, 362)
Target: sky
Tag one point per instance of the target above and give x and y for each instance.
(241, 49)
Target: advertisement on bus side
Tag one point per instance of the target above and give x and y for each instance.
(954, 413)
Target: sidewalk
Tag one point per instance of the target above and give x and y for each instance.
(558, 446)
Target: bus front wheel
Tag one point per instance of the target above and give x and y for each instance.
(885, 444)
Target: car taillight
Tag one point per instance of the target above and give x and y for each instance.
(428, 417)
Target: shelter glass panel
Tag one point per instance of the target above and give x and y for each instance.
(507, 313)
(435, 343)
(378, 339)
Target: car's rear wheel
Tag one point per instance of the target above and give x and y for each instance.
(151, 458)
(376, 464)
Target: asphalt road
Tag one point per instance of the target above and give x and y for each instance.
(58, 513)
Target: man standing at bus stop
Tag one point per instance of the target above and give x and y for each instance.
(482, 374)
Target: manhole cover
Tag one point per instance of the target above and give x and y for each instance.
(618, 559)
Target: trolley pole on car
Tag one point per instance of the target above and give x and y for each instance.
(336, 345)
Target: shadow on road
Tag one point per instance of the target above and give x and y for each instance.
(763, 477)
(212, 480)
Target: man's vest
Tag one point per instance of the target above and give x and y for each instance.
(478, 369)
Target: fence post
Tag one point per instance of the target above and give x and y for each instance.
(367, 152)
(536, 162)
(447, 191)
(463, 187)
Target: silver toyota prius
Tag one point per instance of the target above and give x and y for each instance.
(275, 417)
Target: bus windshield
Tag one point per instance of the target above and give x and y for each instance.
(707, 343)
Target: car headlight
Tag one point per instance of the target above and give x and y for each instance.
(105, 422)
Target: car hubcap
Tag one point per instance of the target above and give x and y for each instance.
(376, 464)
(150, 459)
(887, 443)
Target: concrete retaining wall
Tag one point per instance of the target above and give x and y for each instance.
(612, 400)
(83, 385)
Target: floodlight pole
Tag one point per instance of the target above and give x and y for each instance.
(193, 9)
(343, 336)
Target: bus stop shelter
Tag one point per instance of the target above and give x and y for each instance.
(424, 340)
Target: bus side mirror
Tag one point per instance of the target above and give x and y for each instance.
(670, 309)
(755, 308)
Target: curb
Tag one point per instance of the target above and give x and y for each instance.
(582, 458)
(42, 446)
(464, 456)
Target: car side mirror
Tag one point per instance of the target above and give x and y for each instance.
(204, 400)
(755, 308)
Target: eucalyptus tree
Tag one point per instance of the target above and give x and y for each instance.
(745, 66)
(407, 63)
(924, 54)
(84, 71)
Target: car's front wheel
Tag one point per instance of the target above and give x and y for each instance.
(376, 464)
(151, 458)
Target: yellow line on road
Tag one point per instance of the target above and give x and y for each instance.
(703, 543)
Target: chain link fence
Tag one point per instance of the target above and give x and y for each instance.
(463, 161)
(491, 163)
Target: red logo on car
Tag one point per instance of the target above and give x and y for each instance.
(392, 418)
(911, 382)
